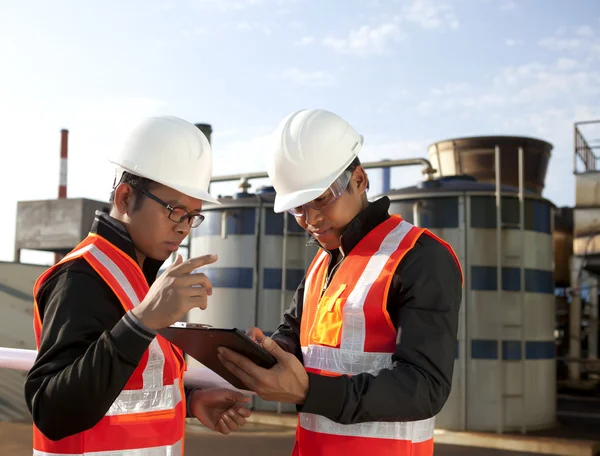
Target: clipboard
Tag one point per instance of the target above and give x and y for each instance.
(201, 343)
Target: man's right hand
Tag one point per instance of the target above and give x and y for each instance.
(255, 334)
(175, 293)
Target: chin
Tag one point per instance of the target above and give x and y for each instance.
(331, 245)
(160, 256)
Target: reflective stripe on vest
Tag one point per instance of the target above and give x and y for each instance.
(355, 303)
(148, 416)
(169, 450)
(154, 396)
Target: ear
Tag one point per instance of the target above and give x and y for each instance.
(124, 198)
(359, 176)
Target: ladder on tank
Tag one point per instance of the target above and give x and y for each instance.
(500, 256)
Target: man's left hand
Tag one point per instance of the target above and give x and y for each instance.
(221, 409)
(287, 381)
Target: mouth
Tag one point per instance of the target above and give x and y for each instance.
(320, 233)
(173, 246)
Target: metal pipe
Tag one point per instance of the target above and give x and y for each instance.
(583, 122)
(416, 213)
(576, 150)
(386, 176)
(464, 210)
(64, 153)
(500, 316)
(522, 290)
(593, 321)
(427, 169)
(224, 230)
(284, 258)
(575, 320)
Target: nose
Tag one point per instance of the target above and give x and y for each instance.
(312, 216)
(183, 227)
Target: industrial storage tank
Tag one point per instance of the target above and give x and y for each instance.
(259, 252)
(475, 156)
(504, 376)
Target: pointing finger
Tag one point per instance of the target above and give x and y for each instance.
(188, 266)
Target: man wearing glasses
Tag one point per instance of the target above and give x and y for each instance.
(366, 349)
(104, 382)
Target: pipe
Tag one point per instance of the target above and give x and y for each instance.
(593, 320)
(386, 178)
(62, 180)
(575, 320)
(417, 213)
(64, 152)
(521, 170)
(427, 170)
(199, 377)
(500, 316)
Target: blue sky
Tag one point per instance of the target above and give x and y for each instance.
(405, 73)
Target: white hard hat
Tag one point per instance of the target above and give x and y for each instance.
(170, 151)
(311, 149)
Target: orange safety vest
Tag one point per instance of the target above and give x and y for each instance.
(148, 416)
(346, 330)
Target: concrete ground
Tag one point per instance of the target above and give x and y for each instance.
(256, 440)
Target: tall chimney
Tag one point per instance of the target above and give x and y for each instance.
(62, 182)
(64, 150)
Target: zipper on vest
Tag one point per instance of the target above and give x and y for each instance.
(330, 275)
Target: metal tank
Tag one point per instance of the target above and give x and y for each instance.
(262, 259)
(475, 156)
(505, 367)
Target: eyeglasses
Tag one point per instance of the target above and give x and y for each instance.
(334, 191)
(176, 214)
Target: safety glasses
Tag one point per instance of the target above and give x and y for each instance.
(334, 191)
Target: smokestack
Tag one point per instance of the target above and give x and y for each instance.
(64, 149)
(62, 182)
(206, 129)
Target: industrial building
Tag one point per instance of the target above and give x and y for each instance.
(529, 316)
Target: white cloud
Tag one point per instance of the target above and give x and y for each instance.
(531, 83)
(304, 41)
(246, 26)
(512, 42)
(194, 32)
(366, 39)
(566, 64)
(376, 39)
(299, 77)
(585, 31)
(508, 6)
(583, 40)
(227, 6)
(431, 15)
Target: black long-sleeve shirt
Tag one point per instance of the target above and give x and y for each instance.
(423, 303)
(89, 346)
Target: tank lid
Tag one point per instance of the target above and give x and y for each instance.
(240, 195)
(265, 189)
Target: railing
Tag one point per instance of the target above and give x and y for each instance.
(583, 150)
(428, 170)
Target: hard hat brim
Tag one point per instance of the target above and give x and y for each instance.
(189, 191)
(284, 203)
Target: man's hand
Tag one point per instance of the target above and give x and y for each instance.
(287, 381)
(221, 410)
(255, 334)
(175, 293)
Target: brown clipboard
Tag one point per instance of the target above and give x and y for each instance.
(202, 341)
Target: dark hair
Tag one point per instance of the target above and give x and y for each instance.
(138, 183)
(351, 167)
